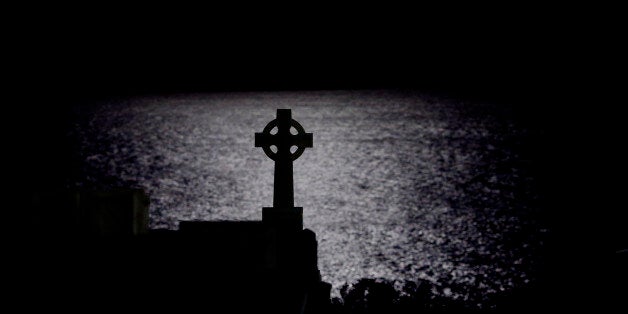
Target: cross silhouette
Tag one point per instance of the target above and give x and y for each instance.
(283, 141)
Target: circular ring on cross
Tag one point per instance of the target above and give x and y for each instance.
(274, 155)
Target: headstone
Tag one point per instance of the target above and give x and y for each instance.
(113, 212)
(277, 146)
(116, 212)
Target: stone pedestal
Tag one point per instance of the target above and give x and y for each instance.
(286, 219)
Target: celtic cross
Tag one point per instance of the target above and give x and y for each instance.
(279, 147)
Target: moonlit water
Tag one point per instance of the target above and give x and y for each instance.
(398, 185)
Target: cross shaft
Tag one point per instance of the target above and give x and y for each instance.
(283, 140)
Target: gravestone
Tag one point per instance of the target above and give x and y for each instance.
(283, 214)
(120, 212)
(90, 213)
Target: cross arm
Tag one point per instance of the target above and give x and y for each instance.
(302, 140)
(262, 139)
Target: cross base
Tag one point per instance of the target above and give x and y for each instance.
(289, 219)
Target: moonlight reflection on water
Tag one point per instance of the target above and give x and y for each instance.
(398, 185)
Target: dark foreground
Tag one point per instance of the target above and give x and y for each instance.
(113, 274)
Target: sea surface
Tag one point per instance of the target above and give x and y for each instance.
(399, 185)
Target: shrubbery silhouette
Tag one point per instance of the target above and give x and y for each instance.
(369, 295)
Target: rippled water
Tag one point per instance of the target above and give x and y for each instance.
(398, 185)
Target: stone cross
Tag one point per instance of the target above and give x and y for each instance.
(283, 154)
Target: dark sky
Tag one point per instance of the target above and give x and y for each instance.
(469, 65)
(492, 53)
